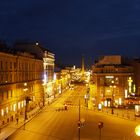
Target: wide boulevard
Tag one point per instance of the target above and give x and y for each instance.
(56, 123)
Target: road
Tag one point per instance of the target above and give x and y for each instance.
(55, 123)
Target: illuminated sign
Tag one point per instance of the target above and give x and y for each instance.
(109, 76)
(130, 84)
(126, 93)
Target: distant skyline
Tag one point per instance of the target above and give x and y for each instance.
(72, 28)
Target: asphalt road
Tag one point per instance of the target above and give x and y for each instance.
(56, 123)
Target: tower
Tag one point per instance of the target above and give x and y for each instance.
(83, 65)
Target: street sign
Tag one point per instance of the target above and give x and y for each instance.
(100, 125)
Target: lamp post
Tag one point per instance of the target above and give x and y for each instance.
(100, 126)
(0, 125)
(43, 96)
(26, 100)
(112, 101)
(79, 122)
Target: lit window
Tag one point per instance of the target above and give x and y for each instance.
(22, 104)
(7, 110)
(2, 112)
(18, 105)
(14, 107)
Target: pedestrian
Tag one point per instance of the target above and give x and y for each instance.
(17, 120)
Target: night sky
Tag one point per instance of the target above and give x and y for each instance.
(72, 28)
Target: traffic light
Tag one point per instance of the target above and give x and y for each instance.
(100, 125)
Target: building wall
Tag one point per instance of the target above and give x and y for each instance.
(111, 59)
(136, 65)
(15, 71)
(48, 59)
(103, 75)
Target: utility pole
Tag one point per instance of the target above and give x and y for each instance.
(25, 117)
(112, 101)
(79, 122)
(112, 110)
(26, 101)
(100, 125)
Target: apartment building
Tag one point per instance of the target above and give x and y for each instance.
(21, 75)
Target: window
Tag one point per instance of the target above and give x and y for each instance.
(10, 94)
(14, 65)
(6, 94)
(2, 95)
(10, 65)
(101, 80)
(6, 65)
(0, 64)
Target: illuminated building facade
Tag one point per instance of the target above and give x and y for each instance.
(112, 79)
(20, 77)
(135, 63)
(48, 62)
(49, 59)
(48, 66)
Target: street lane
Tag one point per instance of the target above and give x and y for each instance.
(52, 124)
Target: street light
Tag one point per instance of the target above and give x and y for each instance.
(26, 98)
(86, 102)
(112, 102)
(43, 96)
(137, 130)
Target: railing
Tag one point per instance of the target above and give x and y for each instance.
(121, 113)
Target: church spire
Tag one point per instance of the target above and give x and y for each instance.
(83, 65)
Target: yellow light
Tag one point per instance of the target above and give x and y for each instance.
(54, 76)
(37, 43)
(22, 103)
(130, 83)
(2, 112)
(105, 103)
(14, 107)
(108, 90)
(25, 89)
(137, 130)
(126, 94)
(7, 110)
(25, 84)
(18, 105)
(109, 103)
(99, 106)
(120, 101)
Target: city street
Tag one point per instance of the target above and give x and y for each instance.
(56, 122)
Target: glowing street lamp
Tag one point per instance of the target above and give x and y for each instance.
(137, 130)
(25, 90)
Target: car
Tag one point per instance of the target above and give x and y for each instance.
(68, 103)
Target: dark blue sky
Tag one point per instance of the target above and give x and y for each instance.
(72, 28)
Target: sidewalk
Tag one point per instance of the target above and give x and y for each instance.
(10, 128)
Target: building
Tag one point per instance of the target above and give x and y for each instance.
(113, 80)
(21, 89)
(48, 58)
(135, 63)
